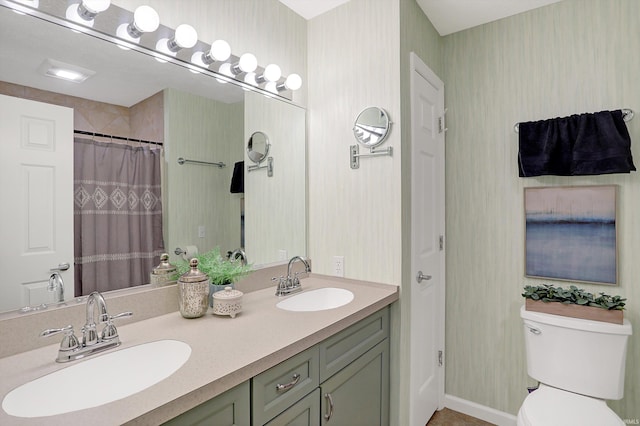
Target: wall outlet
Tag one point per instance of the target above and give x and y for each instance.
(282, 255)
(201, 231)
(338, 266)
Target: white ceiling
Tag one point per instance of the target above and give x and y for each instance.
(447, 16)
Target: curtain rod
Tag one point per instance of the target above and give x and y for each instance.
(122, 138)
(627, 115)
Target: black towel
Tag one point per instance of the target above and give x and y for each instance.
(584, 144)
(237, 180)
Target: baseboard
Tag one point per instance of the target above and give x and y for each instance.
(478, 411)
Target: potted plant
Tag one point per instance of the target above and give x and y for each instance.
(221, 272)
(574, 302)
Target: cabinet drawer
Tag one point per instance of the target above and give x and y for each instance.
(345, 347)
(281, 386)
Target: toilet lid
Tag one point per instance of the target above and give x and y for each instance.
(549, 406)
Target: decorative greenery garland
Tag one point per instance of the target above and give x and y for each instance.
(573, 295)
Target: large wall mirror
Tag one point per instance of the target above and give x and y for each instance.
(195, 116)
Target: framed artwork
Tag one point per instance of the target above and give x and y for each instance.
(571, 233)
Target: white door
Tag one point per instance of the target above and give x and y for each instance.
(427, 239)
(36, 189)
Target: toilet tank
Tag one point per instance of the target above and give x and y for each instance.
(581, 356)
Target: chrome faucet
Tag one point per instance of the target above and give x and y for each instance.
(291, 284)
(238, 254)
(56, 283)
(89, 333)
(71, 348)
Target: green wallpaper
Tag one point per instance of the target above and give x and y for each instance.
(571, 57)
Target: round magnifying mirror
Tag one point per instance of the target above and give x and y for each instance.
(372, 126)
(258, 147)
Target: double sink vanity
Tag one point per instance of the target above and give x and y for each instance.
(314, 356)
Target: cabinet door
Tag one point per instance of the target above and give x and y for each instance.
(232, 408)
(359, 394)
(305, 412)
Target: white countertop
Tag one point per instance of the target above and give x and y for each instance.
(225, 352)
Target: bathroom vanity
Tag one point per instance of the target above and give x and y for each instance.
(319, 360)
(344, 378)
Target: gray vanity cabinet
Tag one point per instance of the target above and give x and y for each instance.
(229, 409)
(341, 381)
(359, 394)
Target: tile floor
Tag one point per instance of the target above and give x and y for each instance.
(446, 417)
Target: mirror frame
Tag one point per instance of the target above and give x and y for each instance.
(359, 131)
(252, 153)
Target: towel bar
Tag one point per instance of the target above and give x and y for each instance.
(627, 115)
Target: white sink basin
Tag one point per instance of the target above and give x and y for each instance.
(98, 380)
(317, 300)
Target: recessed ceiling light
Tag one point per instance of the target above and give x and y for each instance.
(68, 72)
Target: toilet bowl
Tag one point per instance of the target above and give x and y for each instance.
(559, 352)
(549, 406)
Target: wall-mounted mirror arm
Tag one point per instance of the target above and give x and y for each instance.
(355, 155)
(268, 166)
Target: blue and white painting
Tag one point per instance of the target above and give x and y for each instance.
(571, 233)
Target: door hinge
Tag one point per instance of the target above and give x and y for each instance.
(441, 242)
(439, 358)
(441, 123)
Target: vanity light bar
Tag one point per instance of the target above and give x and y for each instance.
(131, 30)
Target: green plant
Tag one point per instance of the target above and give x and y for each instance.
(573, 295)
(219, 270)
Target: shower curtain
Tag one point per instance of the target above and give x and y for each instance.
(117, 215)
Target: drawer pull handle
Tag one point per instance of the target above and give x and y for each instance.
(284, 388)
(327, 416)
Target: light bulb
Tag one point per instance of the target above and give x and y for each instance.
(220, 50)
(250, 78)
(225, 69)
(197, 58)
(145, 20)
(272, 72)
(272, 87)
(185, 37)
(247, 63)
(293, 82)
(95, 6)
(84, 12)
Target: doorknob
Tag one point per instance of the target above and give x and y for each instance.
(421, 277)
(61, 267)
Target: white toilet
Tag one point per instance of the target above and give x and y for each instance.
(579, 364)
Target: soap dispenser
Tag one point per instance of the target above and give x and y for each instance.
(193, 292)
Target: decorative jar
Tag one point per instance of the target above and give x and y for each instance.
(227, 302)
(163, 274)
(193, 292)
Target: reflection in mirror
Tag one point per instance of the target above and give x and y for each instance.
(193, 115)
(371, 127)
(258, 147)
